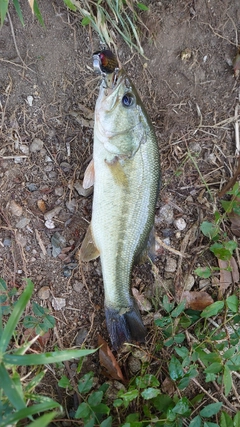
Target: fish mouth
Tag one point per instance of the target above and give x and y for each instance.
(111, 88)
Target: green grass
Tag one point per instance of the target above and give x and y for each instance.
(107, 18)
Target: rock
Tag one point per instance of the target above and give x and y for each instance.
(53, 213)
(58, 303)
(180, 224)
(14, 208)
(7, 241)
(134, 365)
(72, 205)
(66, 167)
(189, 282)
(82, 334)
(141, 355)
(24, 149)
(58, 242)
(44, 292)
(29, 100)
(165, 215)
(36, 145)
(82, 191)
(171, 265)
(78, 286)
(49, 224)
(167, 232)
(22, 223)
(204, 283)
(32, 187)
(59, 191)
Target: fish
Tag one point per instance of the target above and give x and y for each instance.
(125, 171)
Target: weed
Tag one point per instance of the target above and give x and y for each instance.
(222, 247)
(107, 17)
(17, 398)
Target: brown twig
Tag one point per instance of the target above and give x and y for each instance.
(231, 182)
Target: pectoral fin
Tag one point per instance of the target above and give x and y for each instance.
(89, 176)
(88, 250)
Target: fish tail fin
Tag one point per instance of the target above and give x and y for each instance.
(125, 325)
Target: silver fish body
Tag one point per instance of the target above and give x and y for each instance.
(126, 186)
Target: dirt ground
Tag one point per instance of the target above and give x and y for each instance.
(47, 97)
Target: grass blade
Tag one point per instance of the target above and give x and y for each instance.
(10, 389)
(37, 13)
(3, 11)
(15, 316)
(44, 420)
(32, 410)
(45, 358)
(19, 11)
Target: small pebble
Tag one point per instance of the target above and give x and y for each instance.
(78, 286)
(167, 232)
(22, 223)
(15, 208)
(49, 224)
(171, 265)
(36, 145)
(32, 187)
(29, 100)
(180, 224)
(81, 336)
(59, 191)
(72, 205)
(7, 242)
(167, 241)
(134, 365)
(203, 283)
(58, 303)
(44, 292)
(66, 167)
(53, 213)
(24, 149)
(82, 191)
(189, 282)
(165, 215)
(52, 174)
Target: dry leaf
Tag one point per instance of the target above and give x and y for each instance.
(228, 277)
(168, 387)
(41, 341)
(142, 301)
(108, 361)
(197, 300)
(235, 223)
(41, 205)
(31, 3)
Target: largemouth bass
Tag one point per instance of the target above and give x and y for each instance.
(126, 185)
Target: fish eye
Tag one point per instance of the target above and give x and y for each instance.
(128, 100)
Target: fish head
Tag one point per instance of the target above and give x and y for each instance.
(120, 118)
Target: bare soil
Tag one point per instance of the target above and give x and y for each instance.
(47, 97)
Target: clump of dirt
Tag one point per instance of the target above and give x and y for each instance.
(48, 93)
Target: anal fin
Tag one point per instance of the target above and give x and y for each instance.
(88, 250)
